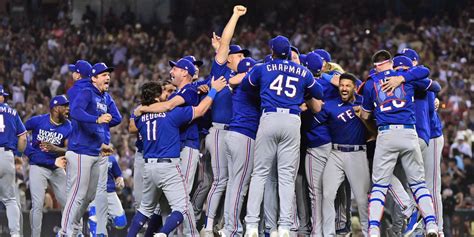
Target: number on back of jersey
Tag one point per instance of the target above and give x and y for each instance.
(289, 89)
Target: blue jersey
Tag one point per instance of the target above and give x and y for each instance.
(246, 112)
(113, 172)
(87, 136)
(160, 132)
(317, 134)
(116, 117)
(10, 127)
(283, 84)
(139, 141)
(344, 125)
(44, 131)
(221, 110)
(189, 133)
(392, 108)
(422, 115)
(78, 86)
(436, 128)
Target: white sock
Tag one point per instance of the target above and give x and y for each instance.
(209, 223)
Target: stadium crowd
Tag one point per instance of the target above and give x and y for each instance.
(35, 52)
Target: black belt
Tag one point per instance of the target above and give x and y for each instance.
(7, 149)
(348, 148)
(157, 160)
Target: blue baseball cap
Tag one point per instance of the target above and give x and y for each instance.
(58, 101)
(303, 60)
(184, 64)
(323, 54)
(245, 64)
(294, 49)
(280, 45)
(314, 62)
(411, 54)
(402, 61)
(82, 67)
(267, 58)
(2, 91)
(234, 48)
(99, 68)
(372, 71)
(194, 60)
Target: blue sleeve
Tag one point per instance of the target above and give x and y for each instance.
(326, 77)
(182, 115)
(323, 115)
(116, 172)
(114, 111)
(314, 87)
(31, 123)
(426, 85)
(20, 128)
(367, 100)
(206, 81)
(431, 100)
(217, 69)
(254, 76)
(78, 108)
(416, 73)
(190, 96)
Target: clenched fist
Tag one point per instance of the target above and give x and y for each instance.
(240, 10)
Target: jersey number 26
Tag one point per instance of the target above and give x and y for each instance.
(289, 89)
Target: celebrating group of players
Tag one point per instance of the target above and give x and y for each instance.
(263, 119)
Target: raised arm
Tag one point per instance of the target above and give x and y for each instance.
(223, 51)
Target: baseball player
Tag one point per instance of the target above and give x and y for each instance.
(394, 115)
(160, 133)
(12, 137)
(115, 210)
(46, 157)
(240, 144)
(347, 157)
(89, 113)
(432, 154)
(168, 89)
(282, 85)
(187, 95)
(224, 64)
(318, 143)
(81, 75)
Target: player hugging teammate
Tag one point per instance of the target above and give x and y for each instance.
(291, 136)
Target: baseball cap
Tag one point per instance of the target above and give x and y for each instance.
(234, 48)
(184, 64)
(245, 64)
(314, 62)
(194, 60)
(58, 100)
(411, 54)
(402, 61)
(82, 67)
(294, 49)
(2, 91)
(323, 54)
(280, 46)
(303, 60)
(99, 68)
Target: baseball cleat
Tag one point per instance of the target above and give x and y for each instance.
(159, 235)
(431, 229)
(206, 233)
(413, 222)
(283, 232)
(251, 232)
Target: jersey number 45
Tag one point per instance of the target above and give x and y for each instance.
(289, 89)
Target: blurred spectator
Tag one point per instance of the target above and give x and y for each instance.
(28, 69)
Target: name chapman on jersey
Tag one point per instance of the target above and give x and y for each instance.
(286, 68)
(9, 110)
(52, 137)
(146, 117)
